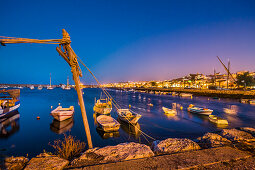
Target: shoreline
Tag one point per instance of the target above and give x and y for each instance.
(234, 94)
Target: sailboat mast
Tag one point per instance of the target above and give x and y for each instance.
(67, 83)
(50, 79)
(228, 72)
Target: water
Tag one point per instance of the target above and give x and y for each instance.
(27, 135)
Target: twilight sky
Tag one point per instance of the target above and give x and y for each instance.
(121, 40)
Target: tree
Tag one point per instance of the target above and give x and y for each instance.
(245, 79)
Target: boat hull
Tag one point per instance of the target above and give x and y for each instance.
(218, 120)
(5, 111)
(62, 114)
(103, 111)
(107, 123)
(201, 112)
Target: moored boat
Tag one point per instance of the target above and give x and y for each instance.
(185, 95)
(108, 123)
(217, 120)
(9, 101)
(103, 106)
(169, 111)
(61, 114)
(199, 110)
(252, 102)
(128, 116)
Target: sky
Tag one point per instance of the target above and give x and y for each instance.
(127, 40)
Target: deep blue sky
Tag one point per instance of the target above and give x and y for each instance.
(127, 40)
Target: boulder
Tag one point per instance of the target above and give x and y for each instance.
(237, 135)
(173, 145)
(46, 161)
(123, 151)
(15, 163)
(249, 130)
(211, 140)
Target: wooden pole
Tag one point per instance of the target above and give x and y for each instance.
(76, 78)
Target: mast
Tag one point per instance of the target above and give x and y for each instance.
(50, 79)
(67, 83)
(228, 72)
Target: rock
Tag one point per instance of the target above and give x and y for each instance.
(123, 151)
(237, 135)
(210, 140)
(173, 145)
(249, 130)
(43, 161)
(15, 163)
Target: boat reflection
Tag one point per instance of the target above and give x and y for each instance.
(106, 135)
(232, 109)
(9, 124)
(131, 129)
(60, 127)
(172, 117)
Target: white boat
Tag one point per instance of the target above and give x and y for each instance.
(231, 110)
(169, 111)
(9, 101)
(218, 120)
(185, 95)
(61, 114)
(199, 110)
(128, 116)
(108, 123)
(32, 87)
(40, 87)
(103, 106)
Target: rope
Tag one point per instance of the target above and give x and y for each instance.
(114, 102)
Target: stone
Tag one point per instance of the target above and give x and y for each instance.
(237, 135)
(211, 140)
(123, 151)
(15, 163)
(46, 162)
(173, 145)
(249, 130)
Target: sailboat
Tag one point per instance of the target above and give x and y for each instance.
(67, 87)
(50, 87)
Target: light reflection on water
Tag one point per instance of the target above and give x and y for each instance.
(32, 136)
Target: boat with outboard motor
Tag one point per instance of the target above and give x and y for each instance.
(128, 116)
(199, 110)
(9, 101)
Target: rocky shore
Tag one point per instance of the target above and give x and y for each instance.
(213, 150)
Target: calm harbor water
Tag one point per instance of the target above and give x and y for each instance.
(23, 134)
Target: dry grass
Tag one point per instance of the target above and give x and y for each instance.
(68, 148)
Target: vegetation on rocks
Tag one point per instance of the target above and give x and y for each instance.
(68, 148)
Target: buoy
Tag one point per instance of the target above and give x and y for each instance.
(181, 107)
(51, 107)
(59, 104)
(129, 106)
(38, 117)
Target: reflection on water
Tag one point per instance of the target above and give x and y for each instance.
(60, 127)
(231, 109)
(131, 129)
(27, 130)
(9, 124)
(106, 135)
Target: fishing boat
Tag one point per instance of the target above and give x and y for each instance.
(9, 101)
(252, 102)
(217, 120)
(61, 114)
(128, 116)
(169, 111)
(40, 87)
(199, 110)
(185, 95)
(103, 106)
(231, 110)
(108, 123)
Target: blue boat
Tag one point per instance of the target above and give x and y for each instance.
(9, 101)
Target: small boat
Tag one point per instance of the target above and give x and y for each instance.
(103, 106)
(150, 104)
(9, 101)
(40, 87)
(128, 116)
(169, 111)
(108, 123)
(185, 95)
(252, 102)
(61, 114)
(32, 87)
(199, 110)
(217, 120)
(231, 110)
